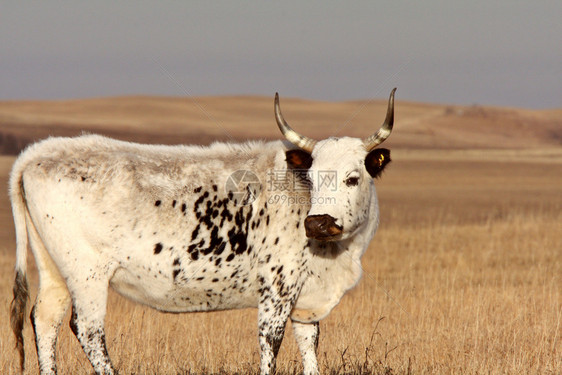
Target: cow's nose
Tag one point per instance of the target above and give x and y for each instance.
(322, 227)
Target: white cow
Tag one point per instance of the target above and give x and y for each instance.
(280, 226)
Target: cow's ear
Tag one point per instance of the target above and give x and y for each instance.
(298, 159)
(376, 160)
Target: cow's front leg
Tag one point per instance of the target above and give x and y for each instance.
(274, 308)
(306, 335)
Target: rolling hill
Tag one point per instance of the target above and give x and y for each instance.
(202, 120)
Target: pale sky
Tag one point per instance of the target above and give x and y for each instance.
(503, 52)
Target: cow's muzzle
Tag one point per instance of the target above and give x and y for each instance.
(322, 227)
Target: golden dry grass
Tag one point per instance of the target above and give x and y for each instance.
(463, 277)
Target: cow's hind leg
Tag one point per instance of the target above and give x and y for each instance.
(46, 317)
(306, 335)
(50, 307)
(89, 303)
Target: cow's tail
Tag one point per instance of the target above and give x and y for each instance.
(20, 290)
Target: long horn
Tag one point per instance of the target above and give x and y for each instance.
(386, 128)
(302, 142)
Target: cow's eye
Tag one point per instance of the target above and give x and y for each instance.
(352, 181)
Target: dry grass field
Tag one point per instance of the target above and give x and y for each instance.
(463, 277)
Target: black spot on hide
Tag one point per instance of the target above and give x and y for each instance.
(195, 232)
(158, 248)
(226, 228)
